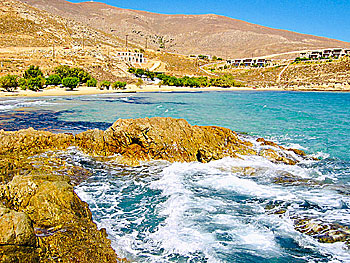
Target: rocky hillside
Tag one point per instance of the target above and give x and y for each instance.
(29, 36)
(323, 75)
(186, 34)
(23, 25)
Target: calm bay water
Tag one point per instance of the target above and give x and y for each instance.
(162, 212)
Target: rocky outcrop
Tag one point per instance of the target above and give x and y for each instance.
(164, 139)
(44, 219)
(174, 140)
(41, 217)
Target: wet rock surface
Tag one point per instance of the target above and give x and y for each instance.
(42, 218)
(174, 140)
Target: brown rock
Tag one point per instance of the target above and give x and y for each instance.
(38, 190)
(163, 139)
(274, 156)
(16, 228)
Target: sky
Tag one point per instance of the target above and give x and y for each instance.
(327, 18)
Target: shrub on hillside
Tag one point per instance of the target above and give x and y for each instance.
(139, 83)
(70, 82)
(91, 83)
(54, 80)
(9, 82)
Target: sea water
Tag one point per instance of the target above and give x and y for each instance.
(193, 212)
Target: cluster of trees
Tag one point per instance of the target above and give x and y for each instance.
(116, 85)
(71, 77)
(221, 81)
(33, 79)
(143, 73)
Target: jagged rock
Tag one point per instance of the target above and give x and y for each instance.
(16, 228)
(166, 139)
(17, 239)
(62, 222)
(323, 232)
(39, 188)
(274, 156)
(30, 142)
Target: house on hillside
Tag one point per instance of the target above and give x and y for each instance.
(238, 62)
(261, 62)
(234, 62)
(131, 57)
(327, 53)
(315, 54)
(249, 62)
(304, 55)
(338, 52)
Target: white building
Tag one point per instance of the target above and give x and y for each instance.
(325, 53)
(249, 62)
(131, 57)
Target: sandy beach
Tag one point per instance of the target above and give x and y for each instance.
(82, 90)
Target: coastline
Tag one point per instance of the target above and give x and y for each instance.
(56, 91)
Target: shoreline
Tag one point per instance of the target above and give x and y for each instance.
(82, 90)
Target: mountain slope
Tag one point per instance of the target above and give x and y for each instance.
(25, 26)
(187, 34)
(30, 36)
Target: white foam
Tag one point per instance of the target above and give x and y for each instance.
(14, 104)
(197, 205)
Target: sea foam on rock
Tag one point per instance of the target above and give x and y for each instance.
(37, 194)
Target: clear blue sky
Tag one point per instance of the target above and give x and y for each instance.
(328, 18)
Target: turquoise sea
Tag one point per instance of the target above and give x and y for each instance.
(193, 212)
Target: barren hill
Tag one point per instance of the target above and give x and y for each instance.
(187, 34)
(25, 26)
(32, 36)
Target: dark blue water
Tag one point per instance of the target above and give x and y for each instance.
(215, 212)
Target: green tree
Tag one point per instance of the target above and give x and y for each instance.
(119, 85)
(63, 71)
(139, 72)
(9, 82)
(33, 72)
(54, 79)
(91, 83)
(150, 75)
(70, 82)
(22, 83)
(35, 84)
(104, 84)
(132, 70)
